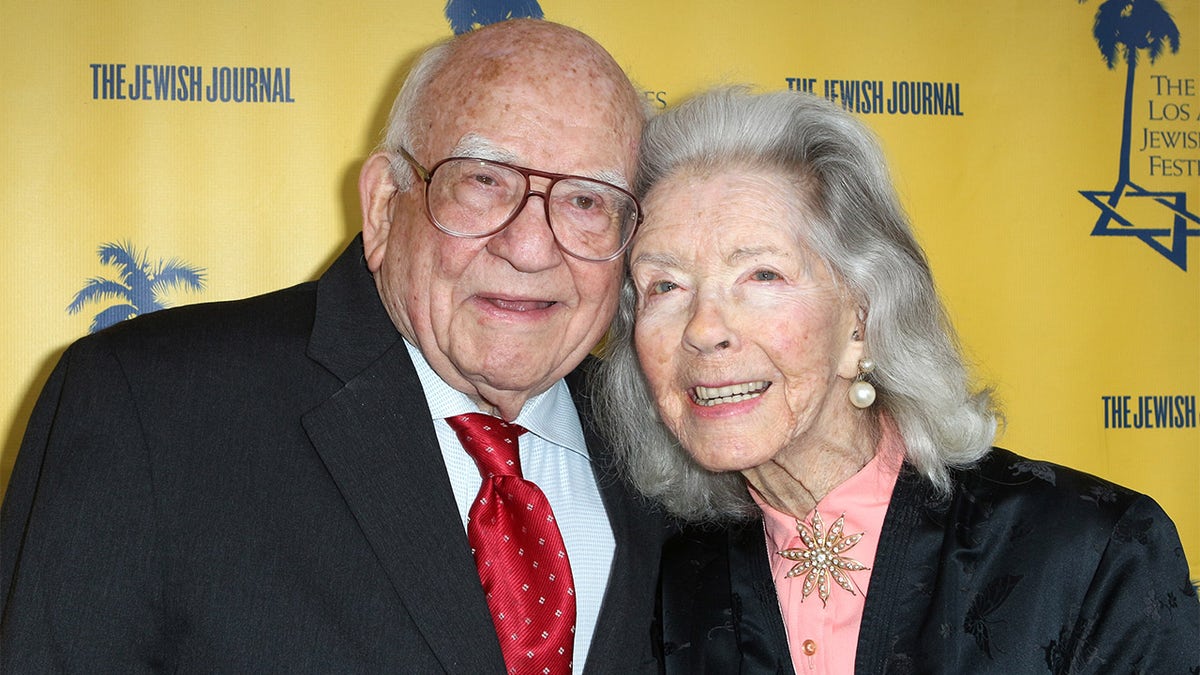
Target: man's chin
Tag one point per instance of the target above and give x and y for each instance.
(516, 367)
(528, 385)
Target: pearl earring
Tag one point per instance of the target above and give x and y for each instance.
(862, 393)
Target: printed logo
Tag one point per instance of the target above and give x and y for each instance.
(140, 288)
(877, 97)
(1124, 29)
(176, 82)
(1149, 412)
(467, 16)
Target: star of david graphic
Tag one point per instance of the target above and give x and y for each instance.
(1124, 30)
(1164, 222)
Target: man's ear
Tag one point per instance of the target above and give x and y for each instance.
(376, 187)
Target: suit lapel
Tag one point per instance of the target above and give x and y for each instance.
(639, 533)
(376, 438)
(902, 580)
(762, 638)
(633, 563)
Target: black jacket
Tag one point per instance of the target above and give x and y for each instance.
(1027, 567)
(256, 486)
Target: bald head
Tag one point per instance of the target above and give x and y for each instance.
(561, 61)
(532, 41)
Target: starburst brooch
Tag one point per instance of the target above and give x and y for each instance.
(822, 557)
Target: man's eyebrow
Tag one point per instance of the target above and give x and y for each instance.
(475, 145)
(612, 177)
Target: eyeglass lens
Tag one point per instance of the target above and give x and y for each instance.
(590, 219)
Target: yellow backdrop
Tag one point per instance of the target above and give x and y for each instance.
(1003, 124)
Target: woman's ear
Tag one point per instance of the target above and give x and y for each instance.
(856, 346)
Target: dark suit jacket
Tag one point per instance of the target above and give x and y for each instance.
(1027, 567)
(256, 486)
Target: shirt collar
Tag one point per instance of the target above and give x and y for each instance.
(865, 495)
(550, 415)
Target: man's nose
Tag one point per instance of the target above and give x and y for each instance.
(528, 243)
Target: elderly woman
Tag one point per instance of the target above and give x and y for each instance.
(816, 423)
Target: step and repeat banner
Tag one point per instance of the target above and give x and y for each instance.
(163, 153)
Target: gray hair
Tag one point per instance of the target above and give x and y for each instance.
(402, 119)
(859, 230)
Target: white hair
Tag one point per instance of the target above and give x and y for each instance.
(857, 228)
(402, 119)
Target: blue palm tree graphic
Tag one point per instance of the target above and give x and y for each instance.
(1123, 29)
(140, 287)
(466, 16)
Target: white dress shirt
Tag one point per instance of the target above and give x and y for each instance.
(554, 456)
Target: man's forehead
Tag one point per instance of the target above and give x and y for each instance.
(467, 114)
(555, 103)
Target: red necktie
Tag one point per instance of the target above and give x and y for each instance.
(519, 552)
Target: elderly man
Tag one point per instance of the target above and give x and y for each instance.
(309, 481)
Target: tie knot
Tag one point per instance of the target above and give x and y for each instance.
(490, 441)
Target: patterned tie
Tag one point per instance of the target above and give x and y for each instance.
(519, 552)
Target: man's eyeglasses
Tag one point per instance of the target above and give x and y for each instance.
(471, 197)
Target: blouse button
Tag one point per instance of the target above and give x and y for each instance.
(809, 647)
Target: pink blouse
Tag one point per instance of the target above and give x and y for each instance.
(823, 639)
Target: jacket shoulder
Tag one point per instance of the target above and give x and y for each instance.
(1004, 476)
(282, 312)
